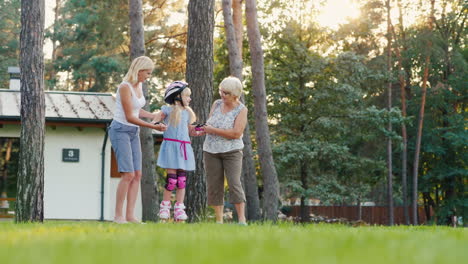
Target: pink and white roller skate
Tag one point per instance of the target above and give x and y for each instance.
(179, 213)
(165, 211)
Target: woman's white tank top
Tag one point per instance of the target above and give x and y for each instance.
(137, 104)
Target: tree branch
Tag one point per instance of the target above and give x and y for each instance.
(166, 37)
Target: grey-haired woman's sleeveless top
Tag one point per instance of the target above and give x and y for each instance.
(217, 144)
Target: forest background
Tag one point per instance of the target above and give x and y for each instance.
(327, 88)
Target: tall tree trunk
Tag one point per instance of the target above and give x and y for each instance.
(270, 178)
(30, 195)
(235, 60)
(404, 155)
(404, 134)
(53, 73)
(149, 188)
(305, 216)
(137, 37)
(389, 126)
(249, 179)
(421, 119)
(404, 47)
(149, 183)
(359, 209)
(56, 18)
(200, 78)
(237, 21)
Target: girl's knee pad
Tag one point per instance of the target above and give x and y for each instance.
(181, 182)
(181, 178)
(171, 182)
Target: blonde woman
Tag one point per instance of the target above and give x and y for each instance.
(222, 149)
(176, 153)
(124, 135)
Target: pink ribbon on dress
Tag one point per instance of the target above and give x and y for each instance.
(183, 145)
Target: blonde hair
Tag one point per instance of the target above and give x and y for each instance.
(138, 64)
(177, 108)
(232, 85)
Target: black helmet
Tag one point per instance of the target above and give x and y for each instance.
(173, 91)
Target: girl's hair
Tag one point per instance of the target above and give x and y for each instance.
(177, 107)
(138, 64)
(232, 85)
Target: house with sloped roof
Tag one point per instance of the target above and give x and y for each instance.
(80, 177)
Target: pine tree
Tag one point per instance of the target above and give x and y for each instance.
(30, 196)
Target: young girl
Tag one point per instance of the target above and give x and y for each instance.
(176, 153)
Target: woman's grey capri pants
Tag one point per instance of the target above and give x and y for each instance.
(217, 166)
(125, 141)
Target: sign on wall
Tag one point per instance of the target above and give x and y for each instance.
(70, 155)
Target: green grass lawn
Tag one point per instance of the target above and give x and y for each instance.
(94, 242)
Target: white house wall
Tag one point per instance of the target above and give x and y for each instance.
(72, 190)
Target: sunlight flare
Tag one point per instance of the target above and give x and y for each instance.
(336, 12)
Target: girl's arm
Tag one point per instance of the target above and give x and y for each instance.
(158, 117)
(126, 99)
(233, 133)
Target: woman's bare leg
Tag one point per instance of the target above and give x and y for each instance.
(122, 190)
(218, 213)
(240, 208)
(132, 194)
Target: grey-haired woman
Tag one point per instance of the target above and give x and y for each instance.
(222, 149)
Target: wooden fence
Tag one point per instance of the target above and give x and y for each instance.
(374, 215)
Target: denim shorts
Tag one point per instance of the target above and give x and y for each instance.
(125, 141)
